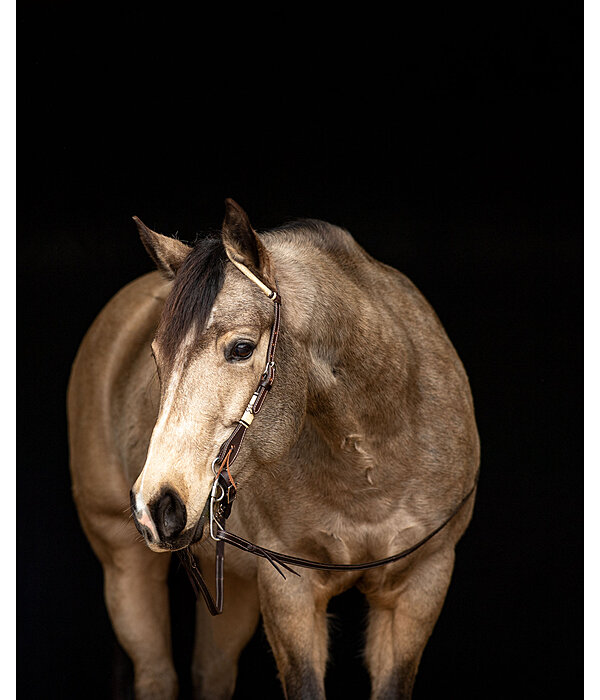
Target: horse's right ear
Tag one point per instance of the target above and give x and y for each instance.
(168, 253)
(242, 243)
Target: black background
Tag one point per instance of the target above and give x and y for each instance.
(449, 145)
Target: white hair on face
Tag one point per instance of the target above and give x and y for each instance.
(175, 377)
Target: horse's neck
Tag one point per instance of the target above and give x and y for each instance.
(337, 319)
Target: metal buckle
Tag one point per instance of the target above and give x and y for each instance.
(230, 498)
(213, 500)
(268, 375)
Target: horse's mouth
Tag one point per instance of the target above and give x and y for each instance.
(198, 531)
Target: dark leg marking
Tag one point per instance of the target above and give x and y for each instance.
(301, 683)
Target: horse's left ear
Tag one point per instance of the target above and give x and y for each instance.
(243, 244)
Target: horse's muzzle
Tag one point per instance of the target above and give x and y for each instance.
(162, 523)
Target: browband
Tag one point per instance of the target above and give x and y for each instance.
(251, 276)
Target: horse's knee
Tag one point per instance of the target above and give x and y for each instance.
(156, 683)
(397, 686)
(301, 681)
(215, 682)
(300, 650)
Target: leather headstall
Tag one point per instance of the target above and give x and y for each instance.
(224, 489)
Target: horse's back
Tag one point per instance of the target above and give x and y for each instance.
(112, 399)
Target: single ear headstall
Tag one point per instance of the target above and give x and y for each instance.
(224, 490)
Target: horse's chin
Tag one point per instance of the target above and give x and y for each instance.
(191, 536)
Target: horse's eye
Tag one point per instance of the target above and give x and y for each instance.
(240, 351)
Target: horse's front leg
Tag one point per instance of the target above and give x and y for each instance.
(220, 639)
(295, 621)
(137, 600)
(401, 618)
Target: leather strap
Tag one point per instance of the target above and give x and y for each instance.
(229, 450)
(279, 560)
(284, 559)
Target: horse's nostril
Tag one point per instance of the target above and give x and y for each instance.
(169, 517)
(169, 514)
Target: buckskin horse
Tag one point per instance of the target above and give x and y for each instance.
(360, 467)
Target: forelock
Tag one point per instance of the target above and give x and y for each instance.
(193, 295)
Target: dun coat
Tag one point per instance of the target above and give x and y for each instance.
(366, 443)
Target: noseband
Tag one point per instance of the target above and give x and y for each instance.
(224, 489)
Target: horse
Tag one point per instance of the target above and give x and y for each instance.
(366, 443)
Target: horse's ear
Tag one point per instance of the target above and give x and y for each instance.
(243, 244)
(167, 253)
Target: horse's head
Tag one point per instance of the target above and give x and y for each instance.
(210, 350)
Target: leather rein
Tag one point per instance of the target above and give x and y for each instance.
(223, 493)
